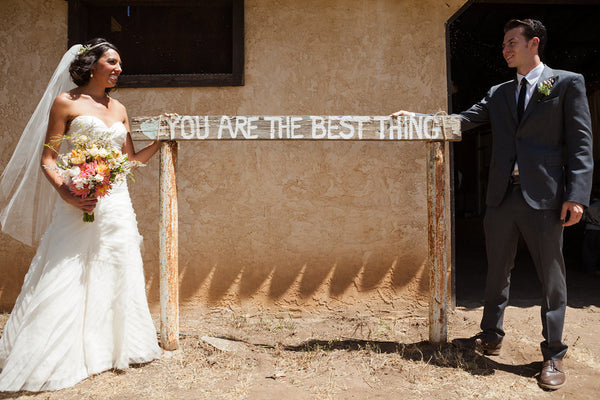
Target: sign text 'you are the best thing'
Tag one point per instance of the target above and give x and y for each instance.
(422, 127)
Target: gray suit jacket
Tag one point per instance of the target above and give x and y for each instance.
(552, 144)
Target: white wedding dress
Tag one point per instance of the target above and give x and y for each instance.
(82, 309)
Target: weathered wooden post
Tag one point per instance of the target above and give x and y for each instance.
(438, 241)
(434, 130)
(168, 253)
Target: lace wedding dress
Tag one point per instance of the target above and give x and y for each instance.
(82, 309)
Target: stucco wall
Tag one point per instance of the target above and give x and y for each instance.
(276, 223)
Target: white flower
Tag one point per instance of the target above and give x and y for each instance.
(78, 182)
(74, 171)
(93, 151)
(81, 140)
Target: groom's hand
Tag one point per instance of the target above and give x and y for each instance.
(402, 113)
(574, 210)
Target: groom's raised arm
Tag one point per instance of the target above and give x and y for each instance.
(475, 116)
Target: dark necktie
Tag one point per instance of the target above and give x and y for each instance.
(521, 102)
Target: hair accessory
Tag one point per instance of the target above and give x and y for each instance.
(86, 48)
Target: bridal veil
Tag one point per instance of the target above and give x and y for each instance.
(26, 197)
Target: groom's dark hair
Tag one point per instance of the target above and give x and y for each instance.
(531, 28)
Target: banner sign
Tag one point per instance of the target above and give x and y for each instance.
(210, 127)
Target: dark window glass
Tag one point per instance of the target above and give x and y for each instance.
(167, 43)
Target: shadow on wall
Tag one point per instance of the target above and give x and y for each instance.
(295, 280)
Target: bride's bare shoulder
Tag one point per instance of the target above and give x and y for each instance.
(66, 99)
(65, 105)
(118, 108)
(62, 101)
(117, 104)
(70, 96)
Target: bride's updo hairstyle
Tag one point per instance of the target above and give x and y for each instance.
(81, 67)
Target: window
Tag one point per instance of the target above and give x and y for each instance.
(167, 42)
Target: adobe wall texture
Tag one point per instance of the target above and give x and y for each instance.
(281, 224)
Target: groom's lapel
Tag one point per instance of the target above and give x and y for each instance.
(547, 73)
(510, 93)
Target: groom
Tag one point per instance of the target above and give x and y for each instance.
(540, 180)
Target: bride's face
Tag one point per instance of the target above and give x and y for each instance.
(108, 68)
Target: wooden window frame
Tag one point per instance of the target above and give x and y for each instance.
(77, 33)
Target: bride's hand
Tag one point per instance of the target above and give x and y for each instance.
(87, 205)
(157, 141)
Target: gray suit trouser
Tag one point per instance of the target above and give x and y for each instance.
(542, 231)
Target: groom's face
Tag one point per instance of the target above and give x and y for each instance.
(516, 49)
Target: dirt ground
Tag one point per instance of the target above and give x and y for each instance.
(348, 354)
(363, 352)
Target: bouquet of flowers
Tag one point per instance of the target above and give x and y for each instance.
(92, 167)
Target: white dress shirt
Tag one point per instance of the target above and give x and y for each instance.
(532, 80)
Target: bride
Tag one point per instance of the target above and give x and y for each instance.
(82, 308)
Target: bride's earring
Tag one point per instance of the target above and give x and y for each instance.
(91, 74)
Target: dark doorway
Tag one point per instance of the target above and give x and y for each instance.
(474, 37)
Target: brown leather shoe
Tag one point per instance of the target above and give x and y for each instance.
(552, 376)
(479, 342)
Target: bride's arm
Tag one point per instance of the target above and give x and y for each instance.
(142, 155)
(57, 125)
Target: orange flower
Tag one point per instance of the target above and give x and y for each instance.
(83, 192)
(77, 157)
(104, 170)
(101, 190)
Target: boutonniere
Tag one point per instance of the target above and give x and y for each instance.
(545, 88)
